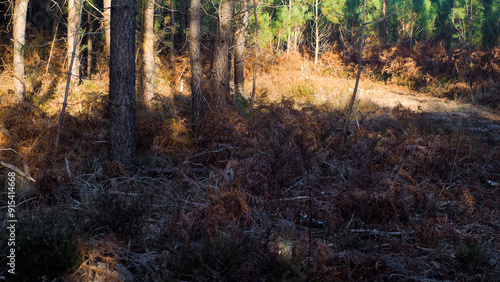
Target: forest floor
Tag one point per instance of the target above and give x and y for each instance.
(269, 192)
(453, 115)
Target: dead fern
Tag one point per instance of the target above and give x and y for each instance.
(468, 200)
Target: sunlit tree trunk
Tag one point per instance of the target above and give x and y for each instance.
(122, 105)
(221, 67)
(239, 50)
(106, 24)
(74, 10)
(197, 99)
(316, 32)
(148, 60)
(18, 33)
(353, 97)
(289, 37)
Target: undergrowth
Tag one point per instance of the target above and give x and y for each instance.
(268, 195)
(271, 191)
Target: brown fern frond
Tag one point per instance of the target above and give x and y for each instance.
(405, 174)
(468, 199)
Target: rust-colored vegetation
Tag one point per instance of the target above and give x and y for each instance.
(270, 192)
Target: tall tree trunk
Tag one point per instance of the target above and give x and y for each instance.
(55, 28)
(172, 35)
(74, 11)
(384, 21)
(316, 31)
(295, 38)
(221, 73)
(289, 43)
(452, 31)
(122, 105)
(353, 98)
(239, 50)
(18, 33)
(106, 24)
(197, 99)
(255, 50)
(148, 60)
(90, 44)
(184, 19)
(411, 31)
(469, 49)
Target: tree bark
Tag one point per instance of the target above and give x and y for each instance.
(90, 44)
(239, 50)
(197, 100)
(172, 35)
(19, 32)
(256, 50)
(221, 67)
(106, 24)
(148, 60)
(289, 37)
(469, 49)
(122, 105)
(74, 10)
(316, 31)
(184, 20)
(353, 98)
(384, 22)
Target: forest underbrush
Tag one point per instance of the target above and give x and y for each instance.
(269, 191)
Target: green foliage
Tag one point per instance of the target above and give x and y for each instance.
(491, 23)
(333, 10)
(460, 14)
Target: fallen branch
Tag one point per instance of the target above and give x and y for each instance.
(208, 152)
(298, 198)
(17, 170)
(377, 232)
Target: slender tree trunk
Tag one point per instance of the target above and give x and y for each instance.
(197, 100)
(384, 22)
(72, 60)
(221, 67)
(289, 42)
(148, 60)
(184, 19)
(255, 50)
(90, 45)
(411, 30)
(239, 50)
(55, 28)
(295, 38)
(106, 23)
(316, 31)
(122, 105)
(469, 49)
(353, 98)
(74, 10)
(172, 35)
(18, 33)
(452, 31)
